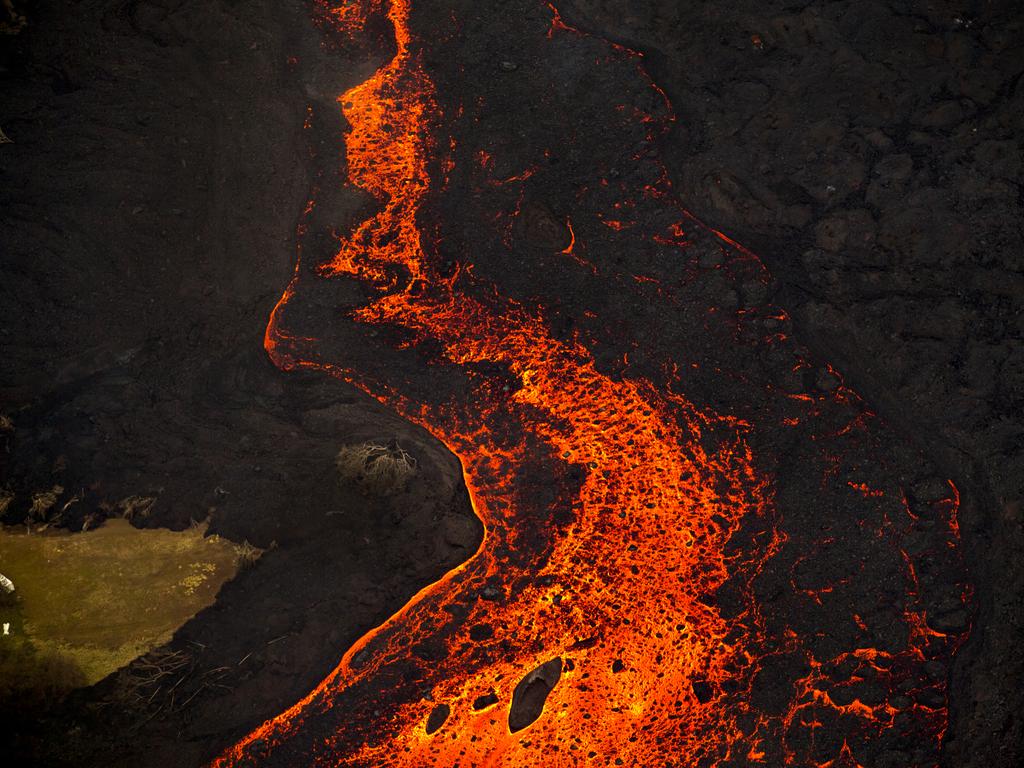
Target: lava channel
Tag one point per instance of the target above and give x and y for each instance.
(586, 629)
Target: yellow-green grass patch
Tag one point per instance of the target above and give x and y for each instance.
(88, 603)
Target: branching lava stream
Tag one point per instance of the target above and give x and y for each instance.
(609, 504)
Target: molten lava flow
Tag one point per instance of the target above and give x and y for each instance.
(608, 504)
(650, 522)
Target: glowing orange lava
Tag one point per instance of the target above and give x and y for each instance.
(619, 563)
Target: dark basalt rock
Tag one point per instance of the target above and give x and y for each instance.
(438, 716)
(482, 702)
(530, 694)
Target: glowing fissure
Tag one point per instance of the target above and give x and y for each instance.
(650, 667)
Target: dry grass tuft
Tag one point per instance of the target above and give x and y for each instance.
(150, 670)
(247, 554)
(135, 506)
(43, 502)
(377, 470)
(168, 681)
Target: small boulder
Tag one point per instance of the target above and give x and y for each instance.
(530, 694)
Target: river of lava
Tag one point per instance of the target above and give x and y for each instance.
(651, 672)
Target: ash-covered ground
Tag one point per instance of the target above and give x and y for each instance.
(870, 153)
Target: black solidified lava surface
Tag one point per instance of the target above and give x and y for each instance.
(870, 153)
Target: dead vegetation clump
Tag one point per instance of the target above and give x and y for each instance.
(45, 511)
(377, 470)
(147, 675)
(43, 501)
(135, 506)
(247, 554)
(168, 681)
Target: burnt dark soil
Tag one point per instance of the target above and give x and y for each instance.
(150, 199)
(869, 152)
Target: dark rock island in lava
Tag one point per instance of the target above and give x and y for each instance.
(529, 354)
